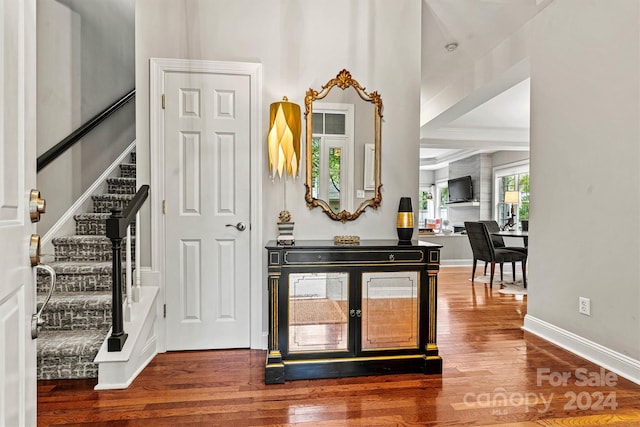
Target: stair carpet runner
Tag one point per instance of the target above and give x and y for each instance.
(78, 316)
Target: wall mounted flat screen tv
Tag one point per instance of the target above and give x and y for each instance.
(460, 190)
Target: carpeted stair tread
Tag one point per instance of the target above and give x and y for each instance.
(85, 248)
(113, 197)
(78, 239)
(95, 224)
(76, 300)
(122, 180)
(92, 216)
(128, 170)
(70, 343)
(121, 185)
(104, 202)
(79, 267)
(77, 276)
(77, 311)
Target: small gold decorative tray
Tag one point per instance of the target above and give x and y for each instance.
(346, 240)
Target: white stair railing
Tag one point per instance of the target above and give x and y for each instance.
(128, 278)
(136, 290)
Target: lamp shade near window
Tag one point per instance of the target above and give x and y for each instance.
(284, 138)
(511, 197)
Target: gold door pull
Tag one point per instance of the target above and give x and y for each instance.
(37, 205)
(34, 250)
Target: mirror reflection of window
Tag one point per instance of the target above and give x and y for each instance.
(315, 166)
(331, 157)
(335, 167)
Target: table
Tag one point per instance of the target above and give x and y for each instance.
(522, 234)
(347, 310)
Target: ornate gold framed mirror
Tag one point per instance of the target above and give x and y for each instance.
(343, 148)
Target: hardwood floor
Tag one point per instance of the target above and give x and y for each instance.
(494, 374)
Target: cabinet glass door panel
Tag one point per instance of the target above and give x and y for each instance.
(318, 312)
(390, 310)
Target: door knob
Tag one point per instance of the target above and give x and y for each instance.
(239, 226)
(37, 206)
(34, 250)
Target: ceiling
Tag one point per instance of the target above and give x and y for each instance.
(477, 26)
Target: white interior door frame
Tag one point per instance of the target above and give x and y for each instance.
(158, 68)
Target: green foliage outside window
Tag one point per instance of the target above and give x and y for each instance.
(423, 201)
(515, 182)
(444, 197)
(523, 186)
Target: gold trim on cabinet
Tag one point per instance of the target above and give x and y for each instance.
(274, 315)
(274, 258)
(358, 359)
(431, 338)
(349, 262)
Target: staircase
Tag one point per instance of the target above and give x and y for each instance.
(78, 316)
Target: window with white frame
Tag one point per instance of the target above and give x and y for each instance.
(442, 198)
(512, 177)
(425, 205)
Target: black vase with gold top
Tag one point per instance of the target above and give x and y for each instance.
(405, 220)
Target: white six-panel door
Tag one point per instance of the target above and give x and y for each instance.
(17, 178)
(207, 210)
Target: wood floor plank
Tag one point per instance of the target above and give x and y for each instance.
(490, 377)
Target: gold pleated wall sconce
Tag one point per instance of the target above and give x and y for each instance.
(283, 140)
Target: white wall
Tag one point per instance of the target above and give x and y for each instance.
(500, 158)
(58, 105)
(585, 104)
(427, 178)
(583, 59)
(85, 62)
(441, 174)
(301, 44)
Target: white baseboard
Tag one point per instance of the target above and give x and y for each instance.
(609, 359)
(118, 369)
(264, 341)
(456, 262)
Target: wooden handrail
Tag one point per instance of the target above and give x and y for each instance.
(57, 150)
(116, 230)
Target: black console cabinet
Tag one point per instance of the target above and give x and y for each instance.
(348, 310)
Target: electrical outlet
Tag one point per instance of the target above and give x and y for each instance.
(584, 306)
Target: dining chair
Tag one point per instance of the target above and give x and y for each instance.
(498, 241)
(483, 249)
